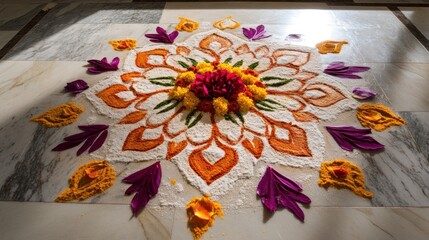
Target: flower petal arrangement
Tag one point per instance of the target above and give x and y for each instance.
(100, 66)
(215, 104)
(76, 86)
(161, 36)
(255, 33)
(362, 94)
(339, 69)
(349, 138)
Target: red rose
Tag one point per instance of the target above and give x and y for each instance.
(260, 84)
(248, 94)
(181, 83)
(251, 72)
(215, 63)
(233, 106)
(192, 68)
(205, 106)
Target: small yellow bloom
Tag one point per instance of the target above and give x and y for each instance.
(178, 93)
(187, 24)
(225, 66)
(237, 71)
(258, 93)
(220, 106)
(249, 79)
(190, 101)
(125, 44)
(245, 102)
(188, 76)
(203, 67)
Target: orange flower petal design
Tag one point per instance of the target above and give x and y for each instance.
(297, 144)
(330, 46)
(255, 147)
(142, 59)
(300, 58)
(128, 77)
(304, 117)
(202, 213)
(224, 43)
(353, 180)
(134, 141)
(378, 117)
(329, 96)
(187, 24)
(225, 23)
(109, 96)
(125, 44)
(211, 172)
(133, 117)
(83, 185)
(60, 115)
(175, 148)
(182, 50)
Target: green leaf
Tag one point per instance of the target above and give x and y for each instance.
(229, 118)
(163, 103)
(238, 64)
(266, 105)
(273, 101)
(240, 116)
(268, 78)
(190, 115)
(169, 107)
(196, 120)
(162, 78)
(253, 65)
(194, 62)
(228, 60)
(263, 108)
(162, 83)
(280, 83)
(206, 60)
(183, 64)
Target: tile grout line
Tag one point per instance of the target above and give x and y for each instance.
(410, 26)
(21, 33)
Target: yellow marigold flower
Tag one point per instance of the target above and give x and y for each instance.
(220, 106)
(258, 93)
(190, 101)
(178, 92)
(249, 79)
(225, 66)
(245, 102)
(237, 71)
(203, 67)
(188, 76)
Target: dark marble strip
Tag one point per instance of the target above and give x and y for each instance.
(378, 4)
(6, 48)
(411, 27)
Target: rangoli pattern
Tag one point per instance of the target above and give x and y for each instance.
(214, 150)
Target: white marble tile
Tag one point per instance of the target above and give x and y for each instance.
(320, 223)
(6, 36)
(51, 221)
(419, 17)
(14, 16)
(418, 123)
(303, 14)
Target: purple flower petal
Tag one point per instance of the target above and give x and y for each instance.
(100, 66)
(349, 138)
(162, 36)
(255, 34)
(89, 141)
(145, 183)
(99, 142)
(66, 145)
(276, 189)
(338, 69)
(361, 93)
(76, 86)
(95, 127)
(172, 36)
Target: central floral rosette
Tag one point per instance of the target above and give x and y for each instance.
(218, 88)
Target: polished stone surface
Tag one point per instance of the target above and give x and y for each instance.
(55, 51)
(6, 36)
(14, 16)
(419, 17)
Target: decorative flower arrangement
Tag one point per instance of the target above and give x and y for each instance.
(218, 88)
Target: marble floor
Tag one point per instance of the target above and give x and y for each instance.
(53, 50)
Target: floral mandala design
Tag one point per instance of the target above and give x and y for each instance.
(216, 104)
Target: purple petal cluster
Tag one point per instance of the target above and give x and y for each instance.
(255, 34)
(100, 66)
(349, 138)
(338, 69)
(277, 190)
(145, 184)
(76, 86)
(161, 36)
(217, 84)
(92, 137)
(361, 93)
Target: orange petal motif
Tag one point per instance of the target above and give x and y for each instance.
(128, 77)
(299, 58)
(201, 213)
(255, 147)
(89, 179)
(304, 117)
(297, 144)
(142, 59)
(175, 148)
(60, 115)
(134, 141)
(225, 43)
(330, 46)
(187, 24)
(109, 96)
(343, 174)
(126, 44)
(378, 117)
(133, 117)
(211, 172)
(329, 95)
(225, 23)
